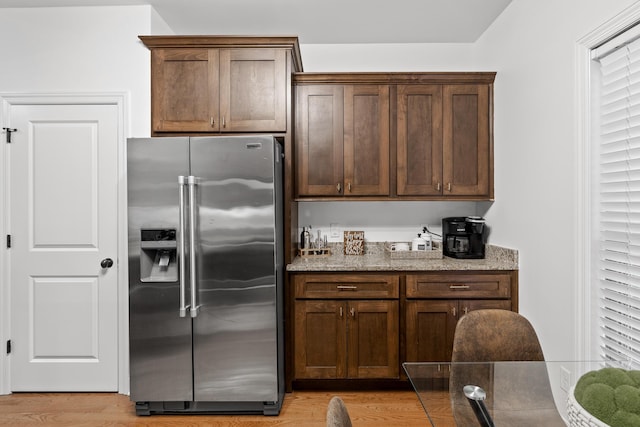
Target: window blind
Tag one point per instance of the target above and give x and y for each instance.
(619, 202)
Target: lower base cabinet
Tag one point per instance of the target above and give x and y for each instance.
(346, 339)
(436, 301)
(349, 326)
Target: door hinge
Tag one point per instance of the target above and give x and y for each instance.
(8, 346)
(8, 131)
(8, 240)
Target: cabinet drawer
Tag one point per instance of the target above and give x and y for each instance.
(477, 285)
(346, 286)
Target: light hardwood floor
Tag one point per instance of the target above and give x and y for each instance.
(300, 408)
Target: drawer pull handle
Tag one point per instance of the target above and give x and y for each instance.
(458, 287)
(347, 288)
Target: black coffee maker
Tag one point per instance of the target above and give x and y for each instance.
(463, 237)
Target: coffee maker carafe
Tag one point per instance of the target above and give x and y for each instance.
(463, 237)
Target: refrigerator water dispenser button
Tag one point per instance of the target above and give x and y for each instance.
(158, 255)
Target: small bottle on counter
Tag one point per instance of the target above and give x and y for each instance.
(304, 230)
(306, 237)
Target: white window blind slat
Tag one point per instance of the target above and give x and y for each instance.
(619, 203)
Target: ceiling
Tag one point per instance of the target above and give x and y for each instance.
(318, 21)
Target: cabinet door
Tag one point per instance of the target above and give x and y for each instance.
(320, 340)
(419, 140)
(466, 141)
(366, 140)
(430, 328)
(319, 139)
(184, 90)
(253, 90)
(373, 339)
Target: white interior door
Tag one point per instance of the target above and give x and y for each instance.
(63, 223)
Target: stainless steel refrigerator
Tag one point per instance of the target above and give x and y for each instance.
(205, 274)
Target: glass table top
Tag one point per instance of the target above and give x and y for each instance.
(506, 393)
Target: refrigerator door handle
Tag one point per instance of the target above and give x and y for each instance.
(195, 308)
(182, 249)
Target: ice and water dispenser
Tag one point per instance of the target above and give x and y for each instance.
(158, 250)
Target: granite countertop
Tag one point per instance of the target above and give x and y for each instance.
(376, 258)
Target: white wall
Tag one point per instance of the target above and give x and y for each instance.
(387, 57)
(381, 221)
(80, 49)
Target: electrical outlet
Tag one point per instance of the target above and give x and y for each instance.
(565, 378)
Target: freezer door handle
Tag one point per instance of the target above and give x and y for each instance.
(181, 249)
(195, 308)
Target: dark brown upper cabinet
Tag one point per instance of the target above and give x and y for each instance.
(221, 84)
(439, 144)
(443, 141)
(342, 140)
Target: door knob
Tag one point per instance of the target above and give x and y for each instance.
(106, 263)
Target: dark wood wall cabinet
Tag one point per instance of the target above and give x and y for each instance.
(364, 325)
(221, 84)
(342, 140)
(384, 136)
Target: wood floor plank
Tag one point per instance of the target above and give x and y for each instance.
(300, 408)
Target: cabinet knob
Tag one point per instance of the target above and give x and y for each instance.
(213, 122)
(439, 186)
(341, 313)
(339, 187)
(353, 312)
(454, 312)
(449, 186)
(349, 187)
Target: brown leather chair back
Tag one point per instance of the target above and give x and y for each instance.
(495, 335)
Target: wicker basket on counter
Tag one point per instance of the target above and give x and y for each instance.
(434, 253)
(578, 416)
(315, 252)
